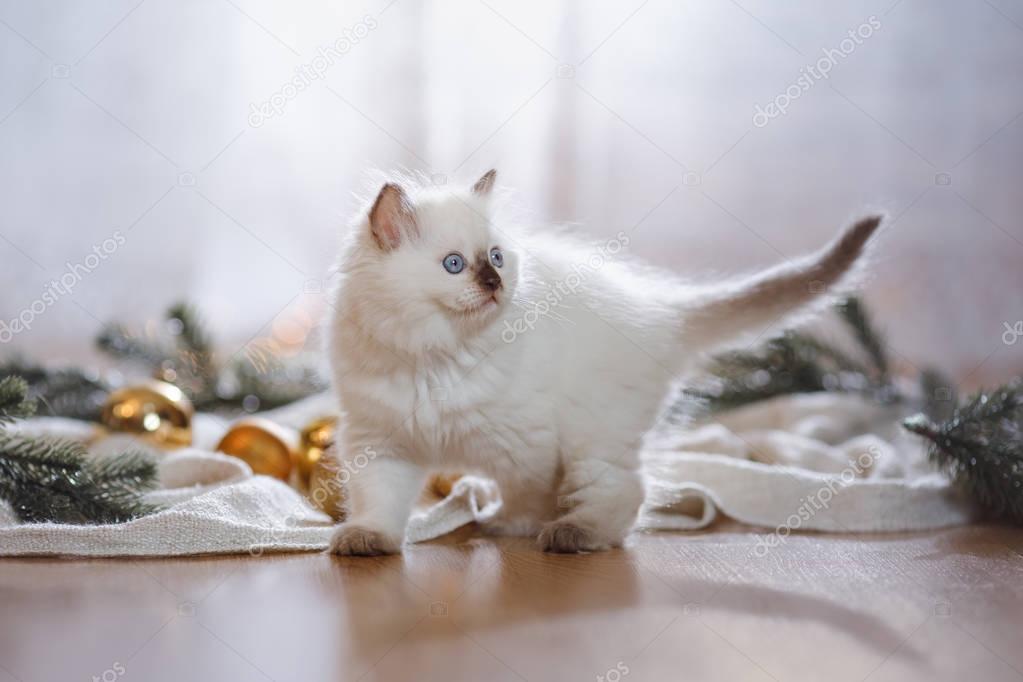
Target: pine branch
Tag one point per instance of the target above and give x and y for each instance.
(61, 392)
(38, 478)
(122, 480)
(195, 347)
(855, 315)
(185, 359)
(52, 480)
(797, 363)
(938, 395)
(48, 480)
(119, 343)
(24, 459)
(981, 447)
(829, 355)
(14, 401)
(190, 331)
(190, 362)
(783, 366)
(272, 382)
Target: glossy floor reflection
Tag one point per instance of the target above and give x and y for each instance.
(936, 606)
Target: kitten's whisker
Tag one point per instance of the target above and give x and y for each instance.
(527, 305)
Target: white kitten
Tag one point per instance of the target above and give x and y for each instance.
(467, 345)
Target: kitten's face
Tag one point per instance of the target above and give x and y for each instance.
(457, 266)
(437, 272)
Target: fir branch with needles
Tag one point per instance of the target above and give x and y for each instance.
(185, 356)
(980, 446)
(57, 481)
(64, 392)
(938, 395)
(14, 401)
(798, 362)
(857, 320)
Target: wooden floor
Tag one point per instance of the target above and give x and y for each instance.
(942, 605)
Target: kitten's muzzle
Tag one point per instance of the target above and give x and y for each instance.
(487, 278)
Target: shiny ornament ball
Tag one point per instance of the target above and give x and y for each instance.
(265, 446)
(157, 411)
(326, 491)
(314, 441)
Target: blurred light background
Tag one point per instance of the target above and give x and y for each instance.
(142, 119)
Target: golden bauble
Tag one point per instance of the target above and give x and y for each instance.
(314, 440)
(265, 446)
(157, 411)
(326, 491)
(441, 484)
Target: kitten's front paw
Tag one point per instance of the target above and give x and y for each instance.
(349, 540)
(567, 538)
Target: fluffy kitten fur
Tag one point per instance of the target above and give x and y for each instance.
(544, 378)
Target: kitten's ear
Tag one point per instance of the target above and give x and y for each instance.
(485, 184)
(392, 217)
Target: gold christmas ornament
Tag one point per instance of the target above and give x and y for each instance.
(326, 490)
(318, 467)
(441, 484)
(265, 446)
(157, 411)
(314, 440)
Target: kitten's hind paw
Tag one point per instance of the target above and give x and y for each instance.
(563, 537)
(351, 540)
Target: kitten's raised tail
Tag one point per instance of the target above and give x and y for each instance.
(775, 298)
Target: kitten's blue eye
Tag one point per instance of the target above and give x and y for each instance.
(496, 257)
(454, 263)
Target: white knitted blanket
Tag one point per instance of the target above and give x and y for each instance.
(788, 464)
